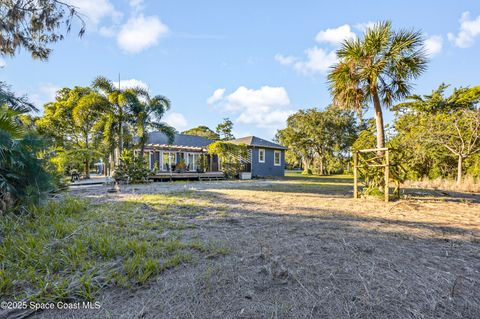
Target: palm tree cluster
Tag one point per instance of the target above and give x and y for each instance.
(98, 122)
(23, 176)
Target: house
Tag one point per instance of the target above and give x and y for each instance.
(165, 157)
(266, 158)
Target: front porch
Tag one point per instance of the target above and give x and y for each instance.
(172, 176)
(175, 162)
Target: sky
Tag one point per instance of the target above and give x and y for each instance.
(255, 62)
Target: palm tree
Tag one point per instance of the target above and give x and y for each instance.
(23, 178)
(377, 69)
(116, 117)
(147, 113)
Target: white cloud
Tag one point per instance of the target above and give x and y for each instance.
(317, 60)
(216, 96)
(335, 36)
(177, 120)
(132, 83)
(433, 45)
(2, 63)
(136, 4)
(140, 33)
(285, 60)
(469, 30)
(364, 26)
(108, 32)
(264, 107)
(95, 10)
(43, 94)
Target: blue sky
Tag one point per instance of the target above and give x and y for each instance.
(255, 62)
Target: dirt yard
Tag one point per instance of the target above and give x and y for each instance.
(303, 248)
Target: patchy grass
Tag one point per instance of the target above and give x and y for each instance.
(298, 247)
(71, 249)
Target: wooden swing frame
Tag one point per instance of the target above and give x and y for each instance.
(384, 155)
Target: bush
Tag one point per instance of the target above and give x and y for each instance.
(24, 179)
(233, 156)
(131, 169)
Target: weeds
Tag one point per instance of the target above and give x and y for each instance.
(468, 184)
(71, 249)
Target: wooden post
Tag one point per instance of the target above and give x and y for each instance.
(355, 175)
(387, 173)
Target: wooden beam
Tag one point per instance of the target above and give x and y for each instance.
(355, 175)
(373, 165)
(373, 150)
(387, 173)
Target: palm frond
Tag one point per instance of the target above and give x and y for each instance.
(165, 129)
(103, 84)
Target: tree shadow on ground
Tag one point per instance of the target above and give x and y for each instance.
(305, 262)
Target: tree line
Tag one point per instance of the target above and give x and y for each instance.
(432, 135)
(100, 121)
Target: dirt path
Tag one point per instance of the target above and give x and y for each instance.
(300, 252)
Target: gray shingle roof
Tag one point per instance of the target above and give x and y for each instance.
(180, 140)
(258, 142)
(202, 142)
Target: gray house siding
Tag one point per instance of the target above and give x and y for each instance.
(268, 168)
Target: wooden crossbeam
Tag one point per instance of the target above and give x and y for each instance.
(384, 160)
(373, 150)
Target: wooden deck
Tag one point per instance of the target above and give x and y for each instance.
(167, 176)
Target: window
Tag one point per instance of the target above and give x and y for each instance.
(194, 160)
(277, 158)
(150, 160)
(261, 155)
(168, 159)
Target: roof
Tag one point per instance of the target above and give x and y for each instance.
(257, 142)
(159, 139)
(184, 140)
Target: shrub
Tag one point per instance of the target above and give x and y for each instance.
(233, 156)
(132, 169)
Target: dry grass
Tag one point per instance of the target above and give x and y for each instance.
(303, 248)
(468, 184)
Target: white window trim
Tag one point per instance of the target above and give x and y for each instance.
(150, 166)
(279, 158)
(260, 150)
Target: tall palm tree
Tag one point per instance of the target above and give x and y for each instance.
(117, 115)
(147, 114)
(378, 69)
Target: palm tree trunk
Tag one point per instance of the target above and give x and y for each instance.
(120, 135)
(142, 144)
(87, 159)
(378, 120)
(459, 168)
